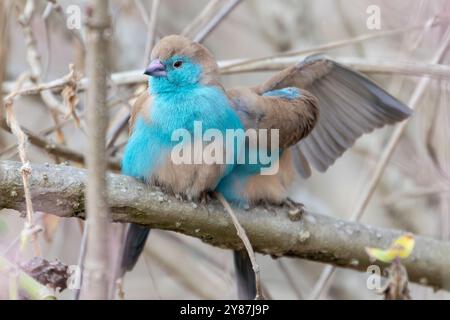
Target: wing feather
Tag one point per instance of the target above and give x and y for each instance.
(350, 105)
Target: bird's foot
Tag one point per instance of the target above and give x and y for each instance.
(179, 197)
(205, 197)
(184, 197)
(296, 209)
(266, 205)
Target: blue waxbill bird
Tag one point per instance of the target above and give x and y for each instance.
(319, 107)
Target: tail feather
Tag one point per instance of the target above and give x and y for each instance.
(245, 276)
(134, 245)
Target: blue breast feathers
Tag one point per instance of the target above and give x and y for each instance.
(144, 150)
(151, 142)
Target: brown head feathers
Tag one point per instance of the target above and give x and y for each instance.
(173, 45)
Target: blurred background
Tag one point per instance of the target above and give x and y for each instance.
(412, 195)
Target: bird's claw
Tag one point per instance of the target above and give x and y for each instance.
(268, 207)
(205, 197)
(296, 209)
(179, 197)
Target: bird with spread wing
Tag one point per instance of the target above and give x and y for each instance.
(318, 107)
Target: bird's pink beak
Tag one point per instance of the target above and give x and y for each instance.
(156, 69)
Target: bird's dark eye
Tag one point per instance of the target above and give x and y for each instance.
(177, 64)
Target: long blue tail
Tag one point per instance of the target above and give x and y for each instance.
(134, 245)
(136, 238)
(245, 276)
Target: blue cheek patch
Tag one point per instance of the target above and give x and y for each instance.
(288, 93)
(184, 78)
(188, 73)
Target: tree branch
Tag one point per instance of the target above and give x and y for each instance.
(59, 190)
(95, 276)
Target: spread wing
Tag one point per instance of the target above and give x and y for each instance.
(292, 111)
(349, 105)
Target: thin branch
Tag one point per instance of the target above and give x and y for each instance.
(216, 19)
(202, 18)
(4, 7)
(340, 43)
(56, 6)
(34, 58)
(415, 69)
(34, 61)
(48, 40)
(82, 258)
(248, 246)
(151, 35)
(290, 279)
(142, 11)
(60, 189)
(394, 198)
(25, 170)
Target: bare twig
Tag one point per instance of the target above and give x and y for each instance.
(4, 6)
(201, 18)
(33, 56)
(339, 43)
(56, 6)
(34, 61)
(151, 32)
(443, 163)
(48, 56)
(416, 69)
(81, 258)
(25, 170)
(248, 246)
(216, 19)
(419, 192)
(290, 279)
(117, 125)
